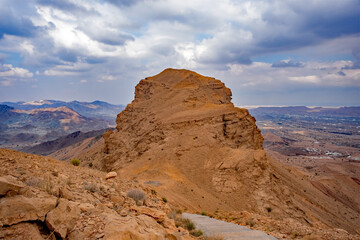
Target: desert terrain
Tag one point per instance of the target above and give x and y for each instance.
(189, 149)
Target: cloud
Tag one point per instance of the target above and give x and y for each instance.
(127, 40)
(287, 63)
(269, 78)
(10, 74)
(106, 78)
(16, 25)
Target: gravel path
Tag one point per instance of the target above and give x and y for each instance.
(229, 231)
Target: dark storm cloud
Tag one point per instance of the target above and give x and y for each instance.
(292, 25)
(284, 63)
(13, 24)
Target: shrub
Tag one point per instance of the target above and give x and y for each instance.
(188, 224)
(197, 233)
(75, 162)
(90, 164)
(203, 213)
(138, 195)
(91, 187)
(153, 192)
(164, 199)
(269, 209)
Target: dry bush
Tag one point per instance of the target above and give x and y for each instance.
(138, 196)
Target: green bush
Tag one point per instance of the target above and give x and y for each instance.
(75, 162)
(203, 213)
(188, 224)
(164, 199)
(197, 233)
(269, 209)
(90, 164)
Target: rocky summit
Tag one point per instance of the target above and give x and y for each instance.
(182, 136)
(182, 130)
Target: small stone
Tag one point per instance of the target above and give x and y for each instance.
(111, 175)
(123, 213)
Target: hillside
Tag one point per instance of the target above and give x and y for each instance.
(25, 128)
(47, 148)
(42, 198)
(95, 109)
(182, 135)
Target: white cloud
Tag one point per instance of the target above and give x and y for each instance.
(10, 74)
(107, 78)
(263, 75)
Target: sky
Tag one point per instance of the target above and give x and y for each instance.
(268, 52)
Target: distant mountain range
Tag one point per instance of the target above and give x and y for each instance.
(96, 109)
(25, 124)
(269, 112)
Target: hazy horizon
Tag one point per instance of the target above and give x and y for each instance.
(37, 102)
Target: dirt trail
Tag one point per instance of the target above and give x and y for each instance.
(229, 231)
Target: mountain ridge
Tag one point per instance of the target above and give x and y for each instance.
(182, 131)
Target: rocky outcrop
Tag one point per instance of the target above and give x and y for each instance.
(42, 198)
(182, 135)
(184, 121)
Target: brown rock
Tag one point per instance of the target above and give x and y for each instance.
(64, 192)
(21, 231)
(9, 184)
(111, 175)
(20, 209)
(159, 216)
(63, 218)
(139, 227)
(85, 207)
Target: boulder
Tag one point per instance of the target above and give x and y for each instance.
(9, 184)
(126, 228)
(63, 218)
(21, 231)
(111, 175)
(158, 215)
(20, 209)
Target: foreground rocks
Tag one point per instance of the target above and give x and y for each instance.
(42, 198)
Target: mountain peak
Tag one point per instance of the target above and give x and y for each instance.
(174, 91)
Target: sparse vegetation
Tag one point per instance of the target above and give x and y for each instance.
(203, 213)
(90, 164)
(153, 192)
(295, 234)
(197, 233)
(91, 187)
(250, 223)
(138, 196)
(75, 162)
(164, 199)
(188, 224)
(269, 209)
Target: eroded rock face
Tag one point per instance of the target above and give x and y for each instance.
(10, 186)
(50, 199)
(184, 121)
(62, 219)
(175, 101)
(20, 209)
